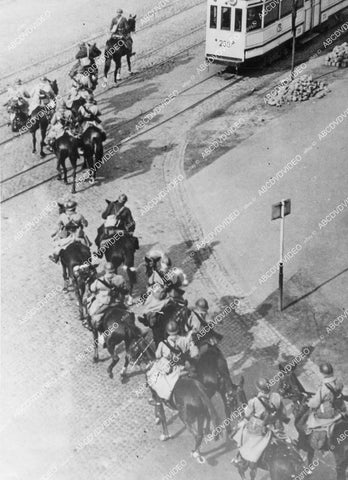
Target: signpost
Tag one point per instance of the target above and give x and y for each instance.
(280, 210)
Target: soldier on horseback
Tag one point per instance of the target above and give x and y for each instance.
(88, 115)
(61, 122)
(173, 356)
(119, 28)
(85, 71)
(108, 290)
(164, 283)
(196, 324)
(264, 417)
(327, 405)
(42, 95)
(17, 97)
(70, 229)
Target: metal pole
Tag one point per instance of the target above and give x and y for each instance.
(281, 255)
(293, 27)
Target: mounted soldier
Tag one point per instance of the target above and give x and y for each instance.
(42, 96)
(108, 290)
(70, 229)
(88, 115)
(327, 405)
(264, 418)
(17, 98)
(85, 71)
(173, 356)
(164, 283)
(198, 326)
(119, 28)
(61, 122)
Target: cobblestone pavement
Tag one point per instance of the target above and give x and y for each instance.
(54, 407)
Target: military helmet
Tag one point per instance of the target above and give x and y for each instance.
(172, 328)
(263, 385)
(122, 198)
(119, 10)
(70, 205)
(109, 267)
(202, 304)
(326, 368)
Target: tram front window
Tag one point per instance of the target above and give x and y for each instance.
(225, 18)
(213, 16)
(238, 20)
(254, 17)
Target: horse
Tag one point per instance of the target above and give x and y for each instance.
(292, 389)
(211, 367)
(281, 460)
(76, 268)
(40, 119)
(89, 77)
(92, 145)
(118, 251)
(190, 400)
(119, 326)
(317, 440)
(18, 117)
(65, 147)
(116, 48)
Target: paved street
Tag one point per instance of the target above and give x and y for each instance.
(52, 405)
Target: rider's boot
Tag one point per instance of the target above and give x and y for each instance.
(237, 460)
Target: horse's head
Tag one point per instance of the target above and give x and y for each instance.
(94, 51)
(54, 86)
(131, 22)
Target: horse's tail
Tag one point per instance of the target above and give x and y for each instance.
(208, 404)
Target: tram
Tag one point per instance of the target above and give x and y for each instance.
(239, 30)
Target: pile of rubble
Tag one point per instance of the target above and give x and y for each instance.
(338, 57)
(299, 90)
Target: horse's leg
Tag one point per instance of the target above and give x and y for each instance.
(228, 412)
(73, 161)
(129, 56)
(126, 361)
(65, 172)
(33, 134)
(65, 277)
(115, 359)
(95, 342)
(107, 66)
(79, 299)
(341, 463)
(59, 176)
(131, 272)
(162, 415)
(43, 129)
(183, 414)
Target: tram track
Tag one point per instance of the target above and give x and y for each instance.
(94, 37)
(134, 136)
(135, 75)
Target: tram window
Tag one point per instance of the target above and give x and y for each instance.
(238, 20)
(285, 8)
(225, 18)
(213, 16)
(271, 13)
(299, 4)
(254, 16)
